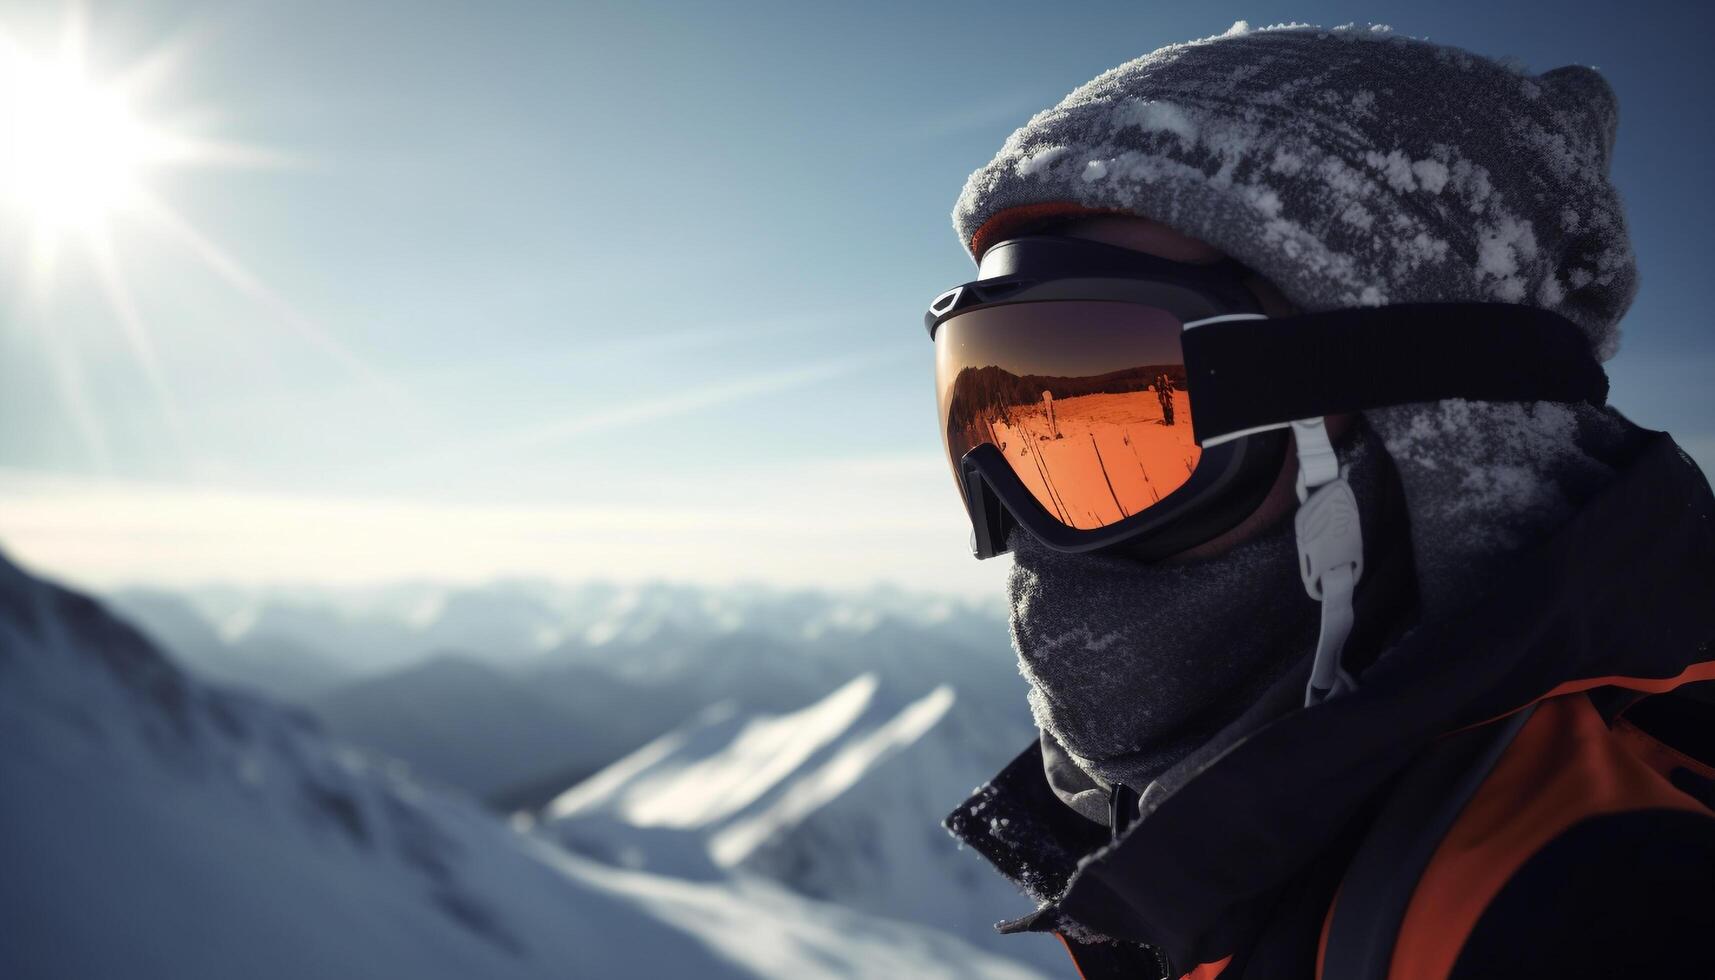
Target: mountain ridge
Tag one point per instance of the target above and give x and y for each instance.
(157, 826)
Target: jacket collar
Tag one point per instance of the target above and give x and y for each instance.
(1619, 596)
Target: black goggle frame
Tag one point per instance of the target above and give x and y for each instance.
(1249, 377)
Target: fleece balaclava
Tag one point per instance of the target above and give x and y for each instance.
(1349, 167)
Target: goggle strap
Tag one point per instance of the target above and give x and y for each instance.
(1257, 373)
(1329, 678)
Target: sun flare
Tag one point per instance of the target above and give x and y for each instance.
(79, 148)
(72, 150)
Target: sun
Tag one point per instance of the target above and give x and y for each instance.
(72, 151)
(78, 151)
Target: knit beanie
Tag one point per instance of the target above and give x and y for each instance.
(1349, 166)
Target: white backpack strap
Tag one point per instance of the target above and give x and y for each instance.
(1330, 553)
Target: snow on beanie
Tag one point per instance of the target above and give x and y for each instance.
(1350, 166)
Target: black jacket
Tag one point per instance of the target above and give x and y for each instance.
(1240, 853)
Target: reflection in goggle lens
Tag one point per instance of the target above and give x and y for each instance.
(1086, 401)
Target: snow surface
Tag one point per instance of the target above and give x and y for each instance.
(154, 826)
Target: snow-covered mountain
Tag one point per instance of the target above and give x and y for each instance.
(154, 826)
(512, 690)
(837, 800)
(520, 622)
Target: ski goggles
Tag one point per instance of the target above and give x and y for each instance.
(1103, 398)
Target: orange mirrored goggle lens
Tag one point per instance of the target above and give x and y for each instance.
(1085, 399)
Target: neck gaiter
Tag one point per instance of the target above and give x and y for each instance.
(1133, 665)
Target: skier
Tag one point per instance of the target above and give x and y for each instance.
(1164, 392)
(1409, 677)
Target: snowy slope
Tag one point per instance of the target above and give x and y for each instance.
(838, 800)
(152, 826)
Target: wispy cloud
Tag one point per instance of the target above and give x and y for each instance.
(632, 342)
(1008, 112)
(668, 405)
(660, 406)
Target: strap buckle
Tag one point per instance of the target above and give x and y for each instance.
(1327, 526)
(1330, 553)
(1330, 537)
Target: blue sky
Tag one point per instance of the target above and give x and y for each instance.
(628, 289)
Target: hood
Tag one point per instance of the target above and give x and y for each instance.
(1619, 596)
